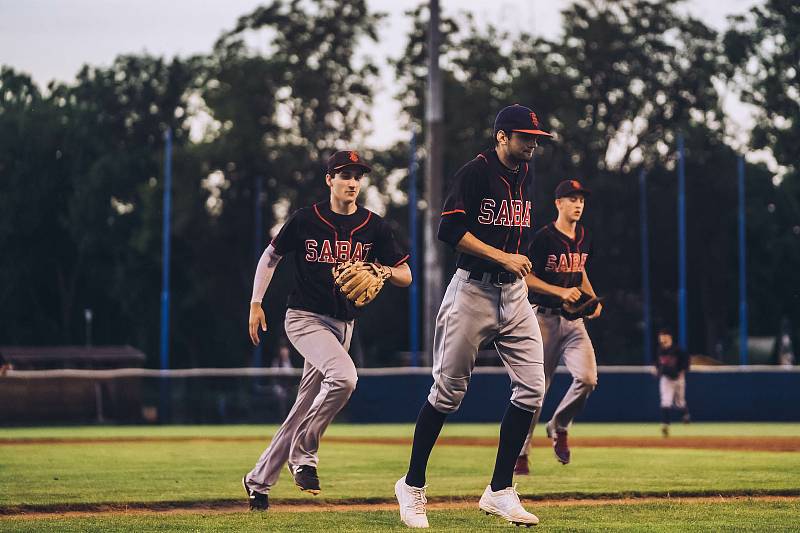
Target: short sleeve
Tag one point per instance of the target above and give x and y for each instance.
(537, 252)
(389, 250)
(286, 239)
(459, 205)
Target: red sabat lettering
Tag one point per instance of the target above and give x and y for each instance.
(517, 218)
(562, 263)
(311, 250)
(575, 262)
(503, 215)
(326, 254)
(358, 252)
(514, 213)
(345, 251)
(342, 251)
(487, 211)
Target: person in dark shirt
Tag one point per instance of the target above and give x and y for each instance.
(319, 319)
(672, 364)
(486, 218)
(560, 253)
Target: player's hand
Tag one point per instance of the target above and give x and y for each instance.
(517, 264)
(257, 319)
(596, 312)
(570, 294)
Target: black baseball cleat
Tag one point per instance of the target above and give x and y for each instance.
(258, 501)
(306, 478)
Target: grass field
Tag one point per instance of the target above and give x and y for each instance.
(41, 471)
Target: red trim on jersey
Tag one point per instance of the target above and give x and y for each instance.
(510, 206)
(483, 157)
(369, 216)
(578, 245)
(403, 260)
(454, 211)
(566, 243)
(322, 218)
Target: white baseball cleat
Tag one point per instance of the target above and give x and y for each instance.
(412, 504)
(505, 504)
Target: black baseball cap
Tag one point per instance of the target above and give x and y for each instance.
(346, 158)
(518, 118)
(570, 187)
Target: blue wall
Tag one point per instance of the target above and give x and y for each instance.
(620, 396)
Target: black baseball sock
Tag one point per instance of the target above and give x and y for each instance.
(429, 425)
(513, 431)
(665, 415)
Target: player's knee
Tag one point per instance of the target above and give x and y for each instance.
(447, 393)
(589, 381)
(528, 398)
(449, 402)
(345, 381)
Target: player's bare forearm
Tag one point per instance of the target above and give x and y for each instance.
(400, 275)
(542, 287)
(586, 285)
(515, 263)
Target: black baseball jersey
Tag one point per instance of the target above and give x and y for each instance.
(320, 239)
(672, 361)
(488, 200)
(558, 260)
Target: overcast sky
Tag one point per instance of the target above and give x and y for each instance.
(52, 39)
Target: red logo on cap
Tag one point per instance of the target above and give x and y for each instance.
(353, 156)
(575, 184)
(534, 119)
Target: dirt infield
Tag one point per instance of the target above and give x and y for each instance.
(222, 507)
(760, 444)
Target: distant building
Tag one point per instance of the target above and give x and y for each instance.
(34, 392)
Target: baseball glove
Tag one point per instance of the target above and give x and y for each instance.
(585, 306)
(359, 282)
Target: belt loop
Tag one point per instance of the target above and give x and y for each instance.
(487, 277)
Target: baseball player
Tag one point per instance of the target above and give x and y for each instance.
(487, 219)
(559, 253)
(319, 319)
(672, 364)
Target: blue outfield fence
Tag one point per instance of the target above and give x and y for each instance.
(263, 395)
(623, 394)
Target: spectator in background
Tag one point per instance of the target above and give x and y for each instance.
(5, 366)
(672, 364)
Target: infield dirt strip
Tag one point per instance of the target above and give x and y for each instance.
(223, 507)
(757, 444)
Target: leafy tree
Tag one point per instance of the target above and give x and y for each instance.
(763, 47)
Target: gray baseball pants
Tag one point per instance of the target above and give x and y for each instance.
(672, 392)
(472, 313)
(570, 340)
(329, 378)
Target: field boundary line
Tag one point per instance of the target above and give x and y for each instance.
(377, 504)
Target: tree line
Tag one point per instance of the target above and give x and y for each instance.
(82, 180)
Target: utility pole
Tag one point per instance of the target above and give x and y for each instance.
(434, 118)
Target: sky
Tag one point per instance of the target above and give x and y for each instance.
(52, 39)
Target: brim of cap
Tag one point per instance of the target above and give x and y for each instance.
(362, 166)
(535, 132)
(585, 192)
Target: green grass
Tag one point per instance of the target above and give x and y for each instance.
(207, 470)
(399, 430)
(741, 515)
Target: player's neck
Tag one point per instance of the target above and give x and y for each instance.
(341, 207)
(566, 227)
(506, 159)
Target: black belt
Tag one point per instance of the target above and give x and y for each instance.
(549, 310)
(498, 278)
